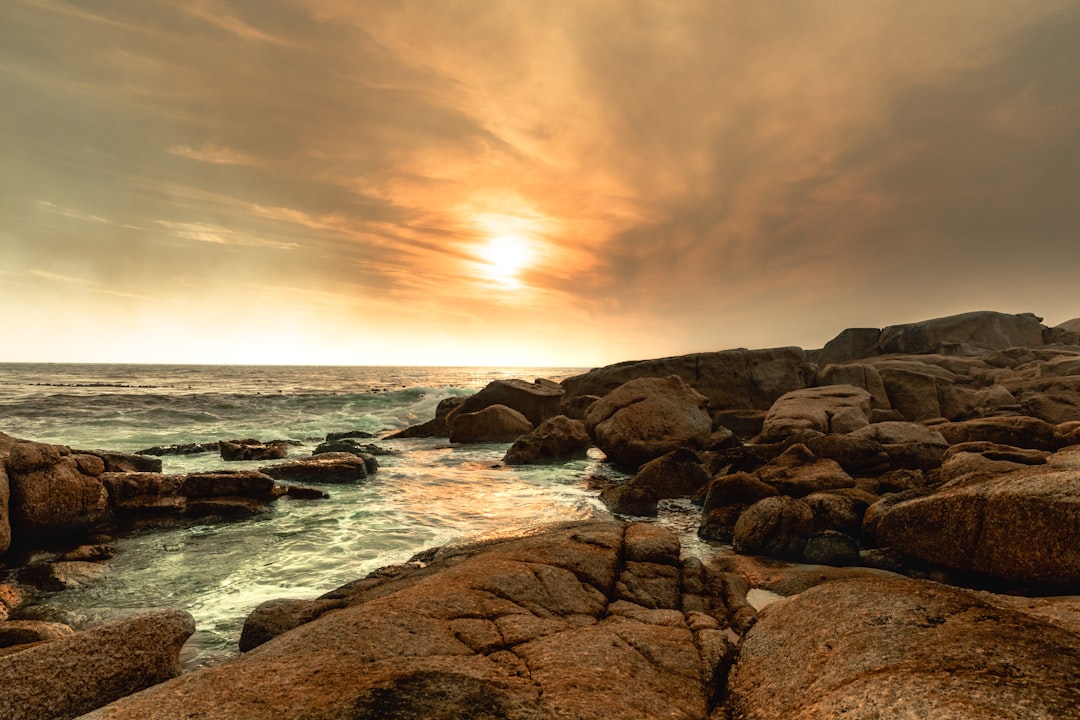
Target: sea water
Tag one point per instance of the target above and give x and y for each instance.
(430, 493)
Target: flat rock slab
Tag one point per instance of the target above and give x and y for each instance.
(900, 648)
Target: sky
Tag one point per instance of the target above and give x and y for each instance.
(526, 182)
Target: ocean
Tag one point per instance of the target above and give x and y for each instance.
(430, 493)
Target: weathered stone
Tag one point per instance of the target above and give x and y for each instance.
(1022, 525)
(348, 435)
(63, 575)
(225, 507)
(895, 647)
(51, 501)
(627, 499)
(743, 423)
(831, 547)
(857, 455)
(914, 394)
(1054, 407)
(674, 475)
(985, 330)
(274, 617)
(726, 499)
(651, 543)
(338, 468)
(850, 344)
(5, 520)
(839, 511)
(537, 401)
(556, 439)
(776, 527)
(647, 418)
(251, 449)
(73, 675)
(493, 424)
(829, 409)
(1017, 431)
(864, 376)
(24, 632)
(900, 433)
(12, 597)
(144, 496)
(797, 472)
(730, 379)
(245, 483)
(122, 462)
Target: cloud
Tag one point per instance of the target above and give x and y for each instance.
(213, 153)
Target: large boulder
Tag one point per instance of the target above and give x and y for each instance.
(981, 330)
(798, 472)
(730, 379)
(775, 527)
(53, 493)
(74, 674)
(493, 424)
(674, 475)
(1017, 431)
(828, 409)
(863, 376)
(245, 483)
(525, 629)
(556, 439)
(850, 344)
(726, 498)
(537, 400)
(647, 418)
(891, 647)
(1022, 525)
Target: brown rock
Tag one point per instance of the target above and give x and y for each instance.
(830, 409)
(274, 617)
(250, 449)
(857, 455)
(915, 394)
(983, 330)
(895, 647)
(647, 418)
(50, 496)
(851, 344)
(627, 499)
(537, 401)
(24, 632)
(674, 475)
(493, 424)
(432, 428)
(556, 439)
(339, 468)
(1022, 525)
(797, 472)
(73, 675)
(122, 462)
(864, 376)
(1017, 431)
(726, 499)
(776, 527)
(244, 483)
(5, 519)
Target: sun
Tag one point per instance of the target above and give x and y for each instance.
(504, 257)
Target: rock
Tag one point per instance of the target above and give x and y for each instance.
(537, 401)
(744, 423)
(1021, 526)
(829, 409)
(726, 499)
(851, 344)
(517, 629)
(50, 497)
(74, 674)
(348, 435)
(274, 617)
(631, 500)
(730, 379)
(182, 449)
(857, 455)
(776, 527)
(437, 427)
(12, 597)
(797, 472)
(915, 394)
(862, 376)
(244, 483)
(63, 575)
(493, 424)
(24, 632)
(674, 475)
(1054, 408)
(139, 497)
(337, 468)
(250, 449)
(831, 547)
(896, 647)
(122, 462)
(877, 510)
(1017, 431)
(902, 433)
(647, 418)
(5, 519)
(984, 330)
(557, 439)
(97, 552)
(575, 407)
(839, 511)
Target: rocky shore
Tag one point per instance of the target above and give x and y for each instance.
(896, 520)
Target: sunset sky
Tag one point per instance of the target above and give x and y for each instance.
(526, 182)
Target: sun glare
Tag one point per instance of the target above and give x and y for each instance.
(504, 257)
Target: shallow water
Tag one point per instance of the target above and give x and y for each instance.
(431, 493)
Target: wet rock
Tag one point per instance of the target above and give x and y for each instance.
(181, 449)
(674, 475)
(627, 499)
(122, 462)
(274, 617)
(797, 472)
(50, 497)
(437, 427)
(144, 496)
(244, 483)
(557, 439)
(348, 435)
(251, 449)
(830, 409)
(97, 552)
(62, 575)
(895, 647)
(328, 468)
(647, 418)
(74, 674)
(493, 424)
(302, 492)
(776, 527)
(224, 507)
(537, 401)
